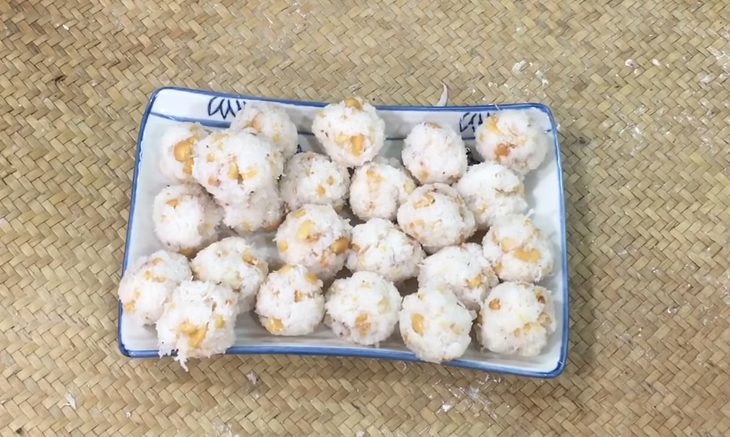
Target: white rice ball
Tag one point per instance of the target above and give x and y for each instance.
(434, 153)
(378, 188)
(290, 301)
(363, 308)
(271, 123)
(350, 131)
(379, 246)
(514, 139)
(516, 318)
(435, 325)
(462, 269)
(315, 237)
(491, 190)
(233, 164)
(517, 249)
(198, 321)
(436, 216)
(185, 218)
(148, 283)
(176, 150)
(262, 211)
(235, 263)
(313, 178)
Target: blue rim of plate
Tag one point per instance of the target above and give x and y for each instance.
(337, 351)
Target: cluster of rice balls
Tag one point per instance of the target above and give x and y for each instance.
(415, 221)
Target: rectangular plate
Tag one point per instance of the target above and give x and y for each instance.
(544, 188)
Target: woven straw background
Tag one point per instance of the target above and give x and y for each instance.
(641, 90)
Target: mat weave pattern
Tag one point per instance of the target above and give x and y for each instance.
(641, 90)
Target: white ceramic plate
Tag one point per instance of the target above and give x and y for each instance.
(544, 186)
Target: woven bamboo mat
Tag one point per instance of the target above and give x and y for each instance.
(641, 90)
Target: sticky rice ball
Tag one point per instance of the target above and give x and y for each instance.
(315, 237)
(262, 211)
(233, 164)
(379, 246)
(378, 188)
(435, 325)
(232, 262)
(176, 150)
(290, 301)
(363, 308)
(185, 218)
(516, 318)
(514, 139)
(350, 131)
(434, 153)
(491, 190)
(313, 178)
(271, 123)
(462, 269)
(436, 216)
(197, 321)
(148, 282)
(517, 250)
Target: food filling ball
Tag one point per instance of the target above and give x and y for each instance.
(350, 131)
(315, 237)
(434, 325)
(434, 153)
(363, 308)
(269, 122)
(232, 262)
(491, 190)
(378, 188)
(516, 318)
(313, 178)
(290, 301)
(233, 164)
(436, 216)
(185, 218)
(461, 269)
(261, 212)
(517, 250)
(379, 246)
(148, 283)
(514, 139)
(176, 150)
(197, 321)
